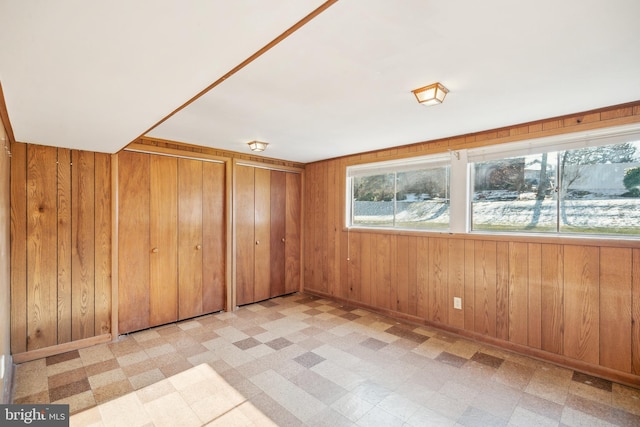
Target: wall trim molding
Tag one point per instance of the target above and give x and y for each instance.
(60, 348)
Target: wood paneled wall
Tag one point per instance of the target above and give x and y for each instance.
(569, 300)
(5, 271)
(60, 246)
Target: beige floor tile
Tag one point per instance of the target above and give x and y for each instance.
(171, 410)
(79, 402)
(127, 410)
(108, 377)
(95, 354)
(146, 378)
(87, 418)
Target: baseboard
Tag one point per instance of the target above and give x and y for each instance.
(60, 348)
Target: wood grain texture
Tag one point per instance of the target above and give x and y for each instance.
(502, 290)
(330, 236)
(582, 313)
(518, 292)
(262, 260)
(534, 297)
(381, 280)
(214, 236)
(64, 245)
(412, 279)
(163, 240)
(552, 298)
(354, 261)
(18, 231)
(42, 247)
(293, 232)
(83, 244)
(438, 287)
(244, 212)
(422, 276)
(189, 238)
(635, 313)
(400, 301)
(366, 268)
(468, 302)
(615, 308)
(455, 279)
(277, 235)
(485, 288)
(103, 275)
(133, 241)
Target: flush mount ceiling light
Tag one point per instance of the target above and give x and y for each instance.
(431, 95)
(257, 145)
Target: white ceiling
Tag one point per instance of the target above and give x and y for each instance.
(95, 75)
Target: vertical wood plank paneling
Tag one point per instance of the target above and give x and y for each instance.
(293, 235)
(455, 277)
(534, 299)
(502, 290)
(366, 268)
(42, 247)
(485, 291)
(518, 292)
(163, 236)
(412, 279)
(354, 259)
(102, 243)
(381, 258)
(438, 290)
(133, 241)
(615, 308)
(214, 236)
(64, 245)
(83, 244)
(401, 301)
(330, 230)
(262, 258)
(468, 303)
(552, 297)
(18, 205)
(581, 314)
(635, 327)
(422, 276)
(277, 235)
(189, 238)
(245, 233)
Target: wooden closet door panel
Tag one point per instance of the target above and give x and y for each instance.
(189, 238)
(83, 244)
(262, 257)
(133, 241)
(214, 236)
(245, 233)
(292, 234)
(163, 230)
(278, 230)
(42, 245)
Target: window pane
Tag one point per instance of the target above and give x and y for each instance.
(373, 201)
(515, 194)
(601, 189)
(423, 199)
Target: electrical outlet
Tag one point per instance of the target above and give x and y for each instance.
(457, 303)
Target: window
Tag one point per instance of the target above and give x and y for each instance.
(593, 189)
(583, 183)
(408, 194)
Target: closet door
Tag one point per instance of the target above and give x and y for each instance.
(245, 241)
(278, 232)
(214, 239)
(262, 256)
(163, 267)
(293, 221)
(189, 238)
(133, 241)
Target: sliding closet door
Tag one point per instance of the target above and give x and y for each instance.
(163, 268)
(133, 241)
(189, 238)
(214, 236)
(245, 241)
(262, 261)
(293, 220)
(278, 232)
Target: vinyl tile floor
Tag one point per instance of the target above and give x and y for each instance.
(301, 360)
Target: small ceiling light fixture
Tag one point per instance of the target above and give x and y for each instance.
(431, 95)
(257, 145)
